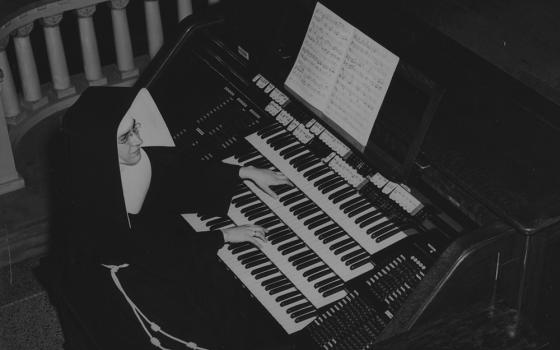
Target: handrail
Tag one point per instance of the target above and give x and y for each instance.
(26, 104)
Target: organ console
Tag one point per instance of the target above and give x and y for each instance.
(367, 243)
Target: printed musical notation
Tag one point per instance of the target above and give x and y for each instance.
(343, 73)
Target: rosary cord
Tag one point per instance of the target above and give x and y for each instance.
(143, 318)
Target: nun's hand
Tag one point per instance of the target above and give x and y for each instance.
(245, 233)
(264, 178)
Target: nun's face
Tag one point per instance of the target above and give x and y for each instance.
(129, 141)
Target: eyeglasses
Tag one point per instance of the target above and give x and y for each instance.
(124, 138)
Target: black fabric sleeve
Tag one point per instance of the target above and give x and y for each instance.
(185, 184)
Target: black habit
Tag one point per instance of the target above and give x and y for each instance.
(172, 273)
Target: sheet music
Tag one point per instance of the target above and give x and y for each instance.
(320, 57)
(361, 86)
(343, 73)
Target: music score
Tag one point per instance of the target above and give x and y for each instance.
(342, 73)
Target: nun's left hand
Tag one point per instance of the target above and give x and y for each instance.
(264, 178)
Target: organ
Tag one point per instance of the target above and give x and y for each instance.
(369, 242)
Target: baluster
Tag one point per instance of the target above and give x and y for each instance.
(32, 95)
(184, 8)
(153, 26)
(90, 51)
(57, 58)
(9, 94)
(9, 177)
(123, 46)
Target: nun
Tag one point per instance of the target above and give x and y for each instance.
(137, 274)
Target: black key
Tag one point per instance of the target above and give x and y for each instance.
(379, 226)
(352, 202)
(341, 243)
(325, 180)
(315, 219)
(250, 259)
(385, 229)
(263, 269)
(265, 273)
(295, 151)
(333, 187)
(292, 300)
(317, 174)
(259, 215)
(319, 274)
(299, 197)
(371, 220)
(326, 281)
(240, 247)
(268, 221)
(304, 259)
(280, 289)
(345, 248)
(284, 233)
(297, 307)
(335, 231)
(344, 190)
(257, 212)
(308, 212)
(321, 168)
(282, 283)
(319, 222)
(293, 249)
(281, 239)
(308, 165)
(315, 270)
(308, 263)
(257, 262)
(333, 290)
(302, 158)
(334, 237)
(388, 234)
(351, 255)
(244, 256)
(343, 197)
(357, 258)
(300, 205)
(302, 311)
(290, 195)
(326, 228)
(245, 201)
(269, 130)
(253, 207)
(310, 314)
(273, 280)
(288, 245)
(357, 208)
(287, 296)
(301, 255)
(291, 148)
(330, 285)
(366, 216)
(360, 210)
(358, 264)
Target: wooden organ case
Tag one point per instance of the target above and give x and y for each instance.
(474, 235)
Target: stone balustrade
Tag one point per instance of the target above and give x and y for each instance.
(27, 101)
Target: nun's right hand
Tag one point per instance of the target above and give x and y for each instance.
(245, 233)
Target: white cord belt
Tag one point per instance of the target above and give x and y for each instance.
(142, 319)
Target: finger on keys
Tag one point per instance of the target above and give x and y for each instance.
(270, 192)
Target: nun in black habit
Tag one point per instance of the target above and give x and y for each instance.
(137, 273)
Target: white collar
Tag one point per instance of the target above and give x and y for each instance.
(136, 182)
